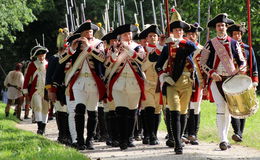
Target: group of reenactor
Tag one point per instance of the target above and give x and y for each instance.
(129, 74)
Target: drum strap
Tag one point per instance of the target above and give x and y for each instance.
(219, 85)
(226, 60)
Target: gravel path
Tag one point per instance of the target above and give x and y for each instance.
(207, 151)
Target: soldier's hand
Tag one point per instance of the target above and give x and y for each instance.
(216, 77)
(74, 44)
(169, 80)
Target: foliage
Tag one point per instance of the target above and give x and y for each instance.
(23, 145)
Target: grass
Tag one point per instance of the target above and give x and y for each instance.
(16, 144)
(208, 127)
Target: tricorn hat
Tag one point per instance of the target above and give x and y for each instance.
(125, 28)
(220, 18)
(86, 26)
(72, 37)
(176, 21)
(38, 50)
(152, 29)
(236, 27)
(194, 28)
(109, 36)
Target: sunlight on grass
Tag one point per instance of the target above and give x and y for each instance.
(16, 144)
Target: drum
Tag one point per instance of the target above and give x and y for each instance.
(240, 96)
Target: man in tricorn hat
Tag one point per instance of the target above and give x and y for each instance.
(126, 82)
(35, 77)
(217, 61)
(176, 80)
(236, 31)
(59, 101)
(85, 81)
(151, 106)
(196, 97)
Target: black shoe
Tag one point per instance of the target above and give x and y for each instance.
(14, 113)
(153, 141)
(89, 145)
(146, 140)
(6, 114)
(237, 138)
(170, 143)
(167, 136)
(40, 132)
(178, 150)
(196, 142)
(80, 147)
(109, 142)
(224, 146)
(123, 146)
(115, 143)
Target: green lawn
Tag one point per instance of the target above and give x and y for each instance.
(208, 127)
(16, 144)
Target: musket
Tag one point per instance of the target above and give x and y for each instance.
(71, 3)
(67, 6)
(249, 36)
(108, 21)
(123, 14)
(43, 43)
(162, 19)
(83, 17)
(168, 34)
(71, 19)
(136, 7)
(136, 20)
(199, 17)
(119, 13)
(114, 14)
(142, 14)
(84, 3)
(154, 15)
(67, 22)
(77, 13)
(208, 31)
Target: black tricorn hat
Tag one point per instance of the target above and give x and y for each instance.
(86, 26)
(73, 37)
(109, 36)
(152, 29)
(194, 28)
(38, 50)
(125, 28)
(236, 27)
(220, 18)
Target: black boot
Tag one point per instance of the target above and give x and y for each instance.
(122, 113)
(59, 126)
(176, 127)
(102, 126)
(183, 120)
(91, 128)
(39, 125)
(237, 131)
(108, 124)
(131, 126)
(157, 120)
(146, 137)
(170, 141)
(43, 128)
(114, 129)
(80, 125)
(65, 133)
(196, 130)
(6, 114)
(150, 123)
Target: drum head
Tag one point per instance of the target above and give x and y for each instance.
(237, 84)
